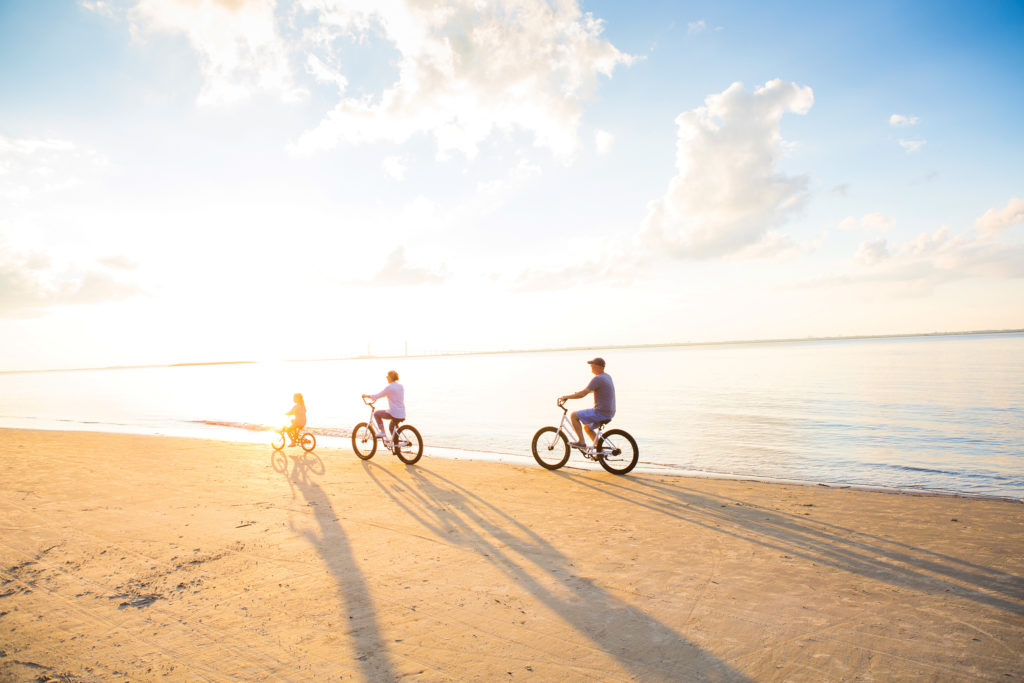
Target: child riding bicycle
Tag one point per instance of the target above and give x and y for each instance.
(298, 413)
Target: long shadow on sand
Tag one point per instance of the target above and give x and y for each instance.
(456, 515)
(332, 543)
(846, 549)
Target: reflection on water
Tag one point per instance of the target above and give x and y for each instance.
(937, 413)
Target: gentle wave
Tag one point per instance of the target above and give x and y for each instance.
(251, 427)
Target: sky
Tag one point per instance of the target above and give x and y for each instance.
(216, 180)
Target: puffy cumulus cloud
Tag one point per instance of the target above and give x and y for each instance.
(912, 145)
(871, 253)
(932, 258)
(900, 120)
(465, 70)
(31, 284)
(994, 220)
(603, 141)
(728, 192)
(398, 272)
(239, 47)
(31, 168)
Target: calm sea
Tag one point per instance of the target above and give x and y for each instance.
(943, 414)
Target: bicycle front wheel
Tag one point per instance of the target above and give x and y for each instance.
(617, 451)
(550, 448)
(408, 444)
(307, 441)
(364, 443)
(278, 441)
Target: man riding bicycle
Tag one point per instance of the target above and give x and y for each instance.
(604, 403)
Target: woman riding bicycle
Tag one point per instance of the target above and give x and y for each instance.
(395, 394)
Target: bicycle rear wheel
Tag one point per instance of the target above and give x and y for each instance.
(408, 444)
(307, 441)
(550, 448)
(617, 451)
(364, 443)
(278, 441)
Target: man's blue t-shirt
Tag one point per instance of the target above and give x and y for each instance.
(604, 394)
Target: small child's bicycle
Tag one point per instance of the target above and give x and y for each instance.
(615, 449)
(406, 442)
(298, 438)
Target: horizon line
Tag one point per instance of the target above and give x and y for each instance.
(442, 354)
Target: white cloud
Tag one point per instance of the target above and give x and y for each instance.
(467, 69)
(779, 247)
(240, 50)
(994, 220)
(899, 120)
(398, 272)
(118, 262)
(872, 253)
(912, 145)
(99, 7)
(31, 168)
(728, 193)
(932, 258)
(603, 141)
(609, 266)
(395, 167)
(874, 222)
(695, 27)
(31, 284)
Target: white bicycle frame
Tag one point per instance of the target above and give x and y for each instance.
(386, 439)
(565, 427)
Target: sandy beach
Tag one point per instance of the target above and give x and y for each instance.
(146, 558)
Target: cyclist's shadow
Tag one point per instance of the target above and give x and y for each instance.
(459, 516)
(332, 543)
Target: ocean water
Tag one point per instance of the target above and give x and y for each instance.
(940, 413)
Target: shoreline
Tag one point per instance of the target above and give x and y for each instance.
(135, 557)
(517, 459)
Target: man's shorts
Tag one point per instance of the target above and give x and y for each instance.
(591, 417)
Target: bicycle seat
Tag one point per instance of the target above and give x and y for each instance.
(602, 423)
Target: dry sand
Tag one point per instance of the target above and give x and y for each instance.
(146, 558)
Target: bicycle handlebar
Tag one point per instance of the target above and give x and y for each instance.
(368, 401)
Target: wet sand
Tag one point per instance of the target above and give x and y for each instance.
(147, 558)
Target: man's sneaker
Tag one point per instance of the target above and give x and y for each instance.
(578, 444)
